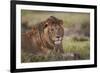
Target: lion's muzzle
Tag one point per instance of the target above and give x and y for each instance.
(58, 40)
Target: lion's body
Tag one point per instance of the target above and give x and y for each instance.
(40, 39)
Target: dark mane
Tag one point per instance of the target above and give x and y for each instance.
(53, 19)
(40, 25)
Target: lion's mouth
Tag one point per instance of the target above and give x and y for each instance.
(58, 41)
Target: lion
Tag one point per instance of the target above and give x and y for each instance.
(44, 37)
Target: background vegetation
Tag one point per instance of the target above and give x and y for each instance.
(76, 39)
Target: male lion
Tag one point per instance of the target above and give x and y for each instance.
(44, 37)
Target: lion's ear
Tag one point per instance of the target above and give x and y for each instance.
(45, 24)
(60, 22)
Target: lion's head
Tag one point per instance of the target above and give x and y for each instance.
(53, 28)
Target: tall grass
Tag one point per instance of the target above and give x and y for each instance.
(70, 46)
(81, 47)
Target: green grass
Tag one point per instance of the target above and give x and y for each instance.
(69, 46)
(27, 57)
(81, 47)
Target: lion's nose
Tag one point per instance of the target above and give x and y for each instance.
(57, 36)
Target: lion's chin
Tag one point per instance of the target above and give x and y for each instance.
(57, 42)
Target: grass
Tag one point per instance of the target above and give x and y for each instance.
(69, 46)
(27, 57)
(81, 47)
